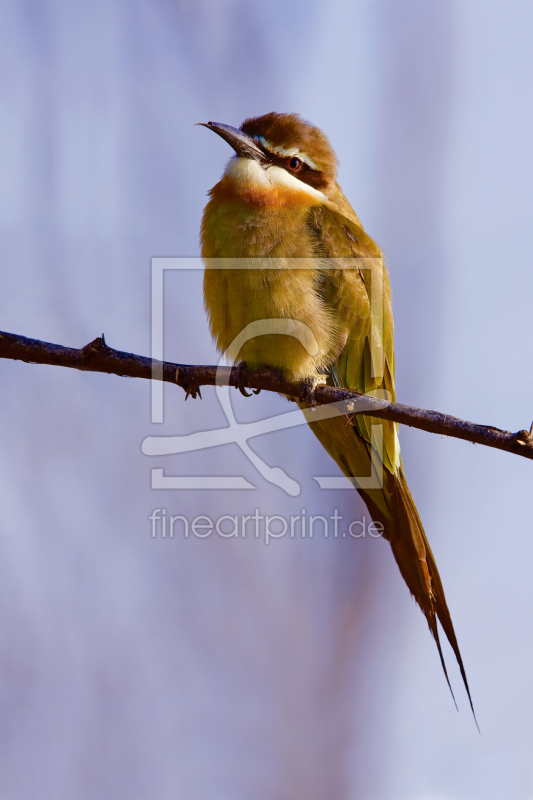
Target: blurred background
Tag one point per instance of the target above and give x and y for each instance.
(137, 667)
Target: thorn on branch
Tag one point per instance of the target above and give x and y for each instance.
(524, 437)
(98, 345)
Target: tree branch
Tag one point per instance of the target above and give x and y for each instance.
(98, 357)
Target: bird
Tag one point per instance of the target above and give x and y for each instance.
(278, 205)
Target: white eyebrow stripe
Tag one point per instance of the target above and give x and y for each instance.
(282, 151)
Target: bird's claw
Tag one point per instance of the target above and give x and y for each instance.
(192, 390)
(241, 380)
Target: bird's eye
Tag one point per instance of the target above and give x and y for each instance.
(294, 163)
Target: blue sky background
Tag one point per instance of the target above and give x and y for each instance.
(223, 668)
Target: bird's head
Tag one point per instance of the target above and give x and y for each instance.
(278, 158)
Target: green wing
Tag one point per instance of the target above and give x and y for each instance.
(355, 286)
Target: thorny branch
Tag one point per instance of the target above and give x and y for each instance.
(97, 356)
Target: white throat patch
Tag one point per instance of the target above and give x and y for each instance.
(245, 173)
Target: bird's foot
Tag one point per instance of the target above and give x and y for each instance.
(309, 384)
(191, 388)
(241, 380)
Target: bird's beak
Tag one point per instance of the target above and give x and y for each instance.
(244, 145)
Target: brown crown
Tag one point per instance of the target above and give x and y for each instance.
(290, 130)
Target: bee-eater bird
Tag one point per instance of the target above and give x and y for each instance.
(279, 199)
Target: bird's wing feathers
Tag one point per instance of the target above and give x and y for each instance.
(355, 285)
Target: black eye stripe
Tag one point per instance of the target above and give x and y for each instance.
(313, 177)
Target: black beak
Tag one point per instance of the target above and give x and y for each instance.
(244, 145)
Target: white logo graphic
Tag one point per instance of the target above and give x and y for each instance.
(240, 433)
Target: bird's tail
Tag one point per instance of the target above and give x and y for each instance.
(404, 530)
(393, 506)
